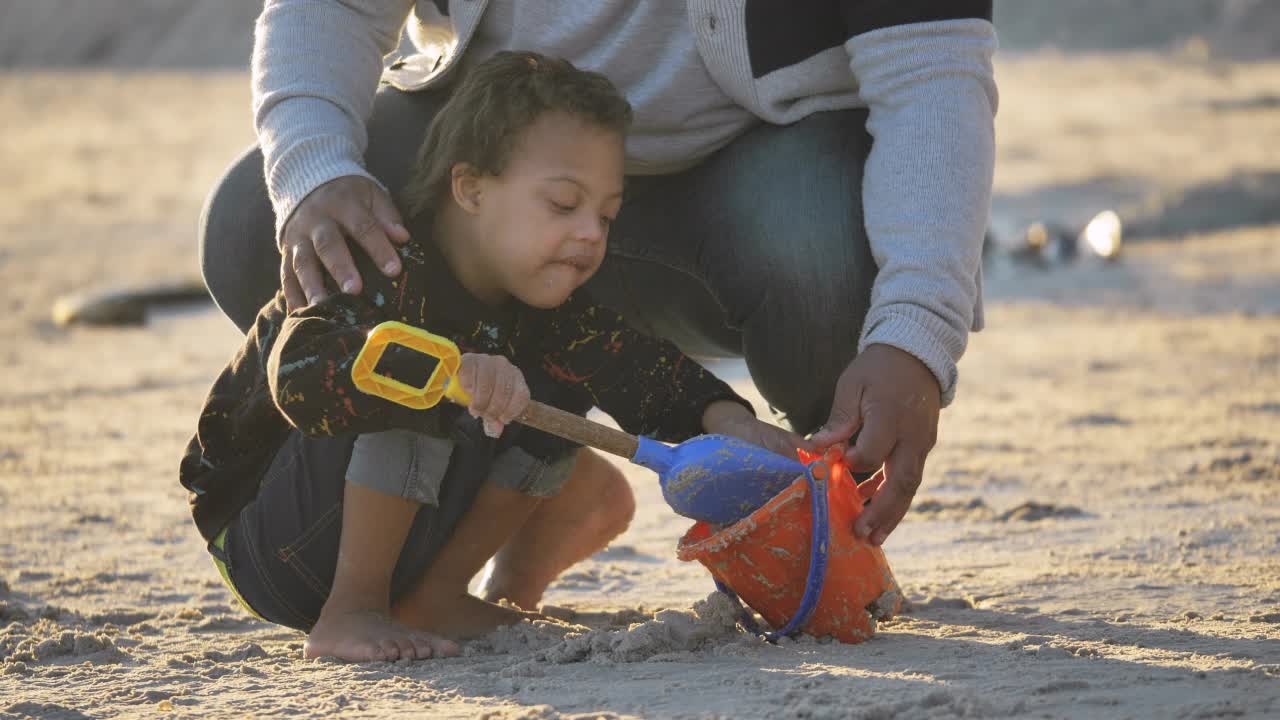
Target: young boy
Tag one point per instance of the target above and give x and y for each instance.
(361, 521)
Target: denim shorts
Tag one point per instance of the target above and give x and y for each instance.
(279, 554)
(412, 465)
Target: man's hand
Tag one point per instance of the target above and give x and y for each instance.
(497, 388)
(314, 239)
(725, 417)
(892, 401)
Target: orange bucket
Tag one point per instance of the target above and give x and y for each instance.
(765, 559)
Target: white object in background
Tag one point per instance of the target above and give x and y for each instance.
(1103, 235)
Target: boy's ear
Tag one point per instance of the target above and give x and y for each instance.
(466, 187)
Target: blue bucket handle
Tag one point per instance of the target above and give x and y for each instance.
(818, 547)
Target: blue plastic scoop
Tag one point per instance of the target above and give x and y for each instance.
(716, 478)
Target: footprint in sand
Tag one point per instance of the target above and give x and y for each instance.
(1032, 511)
(1098, 420)
(1243, 465)
(578, 580)
(1229, 462)
(222, 623)
(1272, 408)
(616, 552)
(609, 578)
(941, 603)
(242, 653)
(120, 618)
(1062, 686)
(168, 597)
(623, 553)
(596, 619)
(113, 577)
(13, 612)
(43, 710)
(935, 509)
(68, 587)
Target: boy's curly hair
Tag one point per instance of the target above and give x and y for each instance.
(497, 101)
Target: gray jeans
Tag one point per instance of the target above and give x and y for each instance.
(759, 252)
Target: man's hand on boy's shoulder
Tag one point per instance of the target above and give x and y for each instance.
(314, 241)
(726, 417)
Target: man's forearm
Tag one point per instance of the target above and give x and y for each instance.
(927, 184)
(316, 65)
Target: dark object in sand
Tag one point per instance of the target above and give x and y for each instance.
(1045, 244)
(1032, 511)
(119, 306)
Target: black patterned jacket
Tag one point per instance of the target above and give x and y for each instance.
(294, 371)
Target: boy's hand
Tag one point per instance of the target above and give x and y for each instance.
(497, 389)
(725, 417)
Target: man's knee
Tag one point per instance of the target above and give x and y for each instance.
(236, 233)
(796, 346)
(804, 269)
(794, 237)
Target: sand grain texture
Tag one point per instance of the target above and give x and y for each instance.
(1096, 536)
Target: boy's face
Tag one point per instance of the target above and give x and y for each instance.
(543, 223)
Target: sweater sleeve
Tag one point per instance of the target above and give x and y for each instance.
(316, 65)
(930, 90)
(647, 385)
(309, 371)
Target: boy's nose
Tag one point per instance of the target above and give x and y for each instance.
(592, 231)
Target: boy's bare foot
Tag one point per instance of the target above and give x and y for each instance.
(458, 615)
(361, 635)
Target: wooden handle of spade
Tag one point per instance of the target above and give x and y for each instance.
(579, 429)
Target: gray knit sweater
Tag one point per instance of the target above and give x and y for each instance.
(928, 86)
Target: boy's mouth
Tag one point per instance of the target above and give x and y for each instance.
(581, 263)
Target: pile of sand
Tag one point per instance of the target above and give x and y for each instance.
(669, 635)
(219, 33)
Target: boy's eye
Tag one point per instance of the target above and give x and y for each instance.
(563, 208)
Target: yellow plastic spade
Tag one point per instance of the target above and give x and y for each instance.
(364, 372)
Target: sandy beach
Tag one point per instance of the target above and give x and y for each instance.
(1097, 535)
